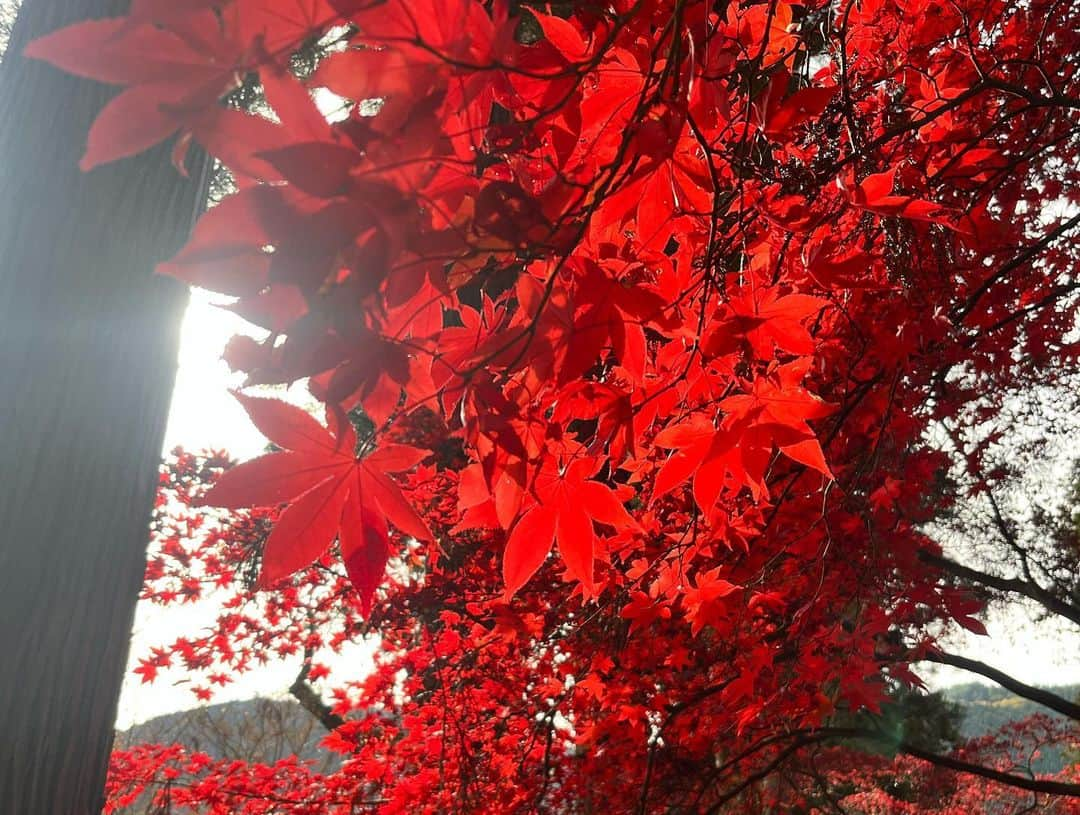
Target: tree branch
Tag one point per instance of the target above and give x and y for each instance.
(310, 700)
(1022, 782)
(1028, 589)
(1043, 697)
(765, 771)
(1020, 259)
(804, 739)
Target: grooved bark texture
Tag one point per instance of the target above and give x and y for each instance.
(88, 341)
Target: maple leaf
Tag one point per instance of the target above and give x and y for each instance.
(779, 398)
(642, 611)
(737, 450)
(384, 74)
(329, 491)
(567, 505)
(774, 415)
(699, 449)
(147, 669)
(279, 26)
(167, 11)
(784, 115)
(171, 75)
(874, 193)
(767, 320)
(563, 35)
(703, 602)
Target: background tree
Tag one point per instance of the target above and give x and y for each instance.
(88, 342)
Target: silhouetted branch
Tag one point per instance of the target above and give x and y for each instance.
(310, 700)
(1027, 588)
(1043, 697)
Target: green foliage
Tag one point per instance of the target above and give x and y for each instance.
(931, 721)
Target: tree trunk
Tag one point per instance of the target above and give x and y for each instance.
(88, 342)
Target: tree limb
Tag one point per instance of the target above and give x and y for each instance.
(1028, 589)
(1043, 697)
(765, 771)
(804, 739)
(310, 700)
(1022, 782)
(1020, 259)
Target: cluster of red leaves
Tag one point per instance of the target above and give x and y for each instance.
(477, 706)
(860, 782)
(176, 779)
(876, 784)
(677, 288)
(196, 556)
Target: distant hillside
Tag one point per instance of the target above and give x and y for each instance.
(988, 707)
(253, 730)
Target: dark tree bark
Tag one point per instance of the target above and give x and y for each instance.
(88, 342)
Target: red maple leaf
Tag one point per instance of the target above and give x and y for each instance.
(567, 504)
(703, 602)
(875, 194)
(773, 414)
(329, 491)
(767, 321)
(147, 669)
(171, 76)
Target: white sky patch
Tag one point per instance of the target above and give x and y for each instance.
(204, 415)
(1037, 653)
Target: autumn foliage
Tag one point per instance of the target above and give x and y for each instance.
(644, 313)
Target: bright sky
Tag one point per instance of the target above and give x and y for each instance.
(204, 415)
(203, 412)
